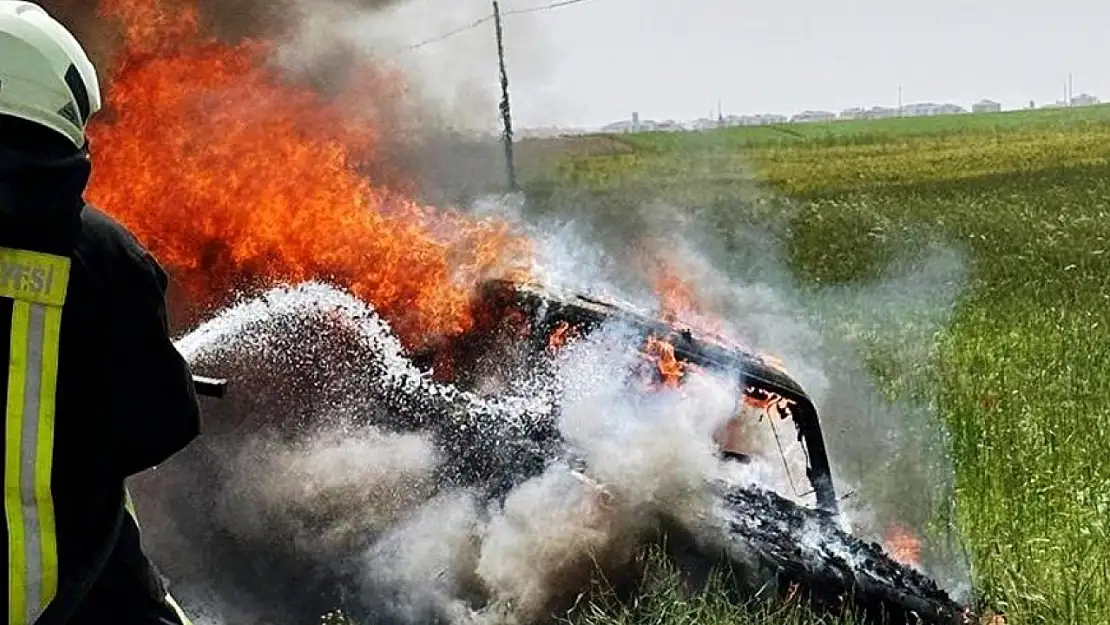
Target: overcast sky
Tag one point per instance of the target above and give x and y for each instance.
(596, 61)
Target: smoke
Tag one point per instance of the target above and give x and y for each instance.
(305, 496)
(319, 487)
(315, 498)
(447, 140)
(228, 20)
(889, 453)
(529, 555)
(459, 72)
(423, 569)
(889, 446)
(438, 123)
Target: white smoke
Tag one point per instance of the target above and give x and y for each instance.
(447, 51)
(429, 560)
(352, 497)
(347, 500)
(890, 457)
(321, 486)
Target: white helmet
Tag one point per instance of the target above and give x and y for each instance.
(45, 76)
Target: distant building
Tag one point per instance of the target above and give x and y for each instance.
(705, 124)
(950, 109)
(853, 113)
(1084, 99)
(669, 126)
(813, 116)
(918, 109)
(625, 126)
(636, 124)
(880, 112)
(928, 109)
(987, 106)
(761, 119)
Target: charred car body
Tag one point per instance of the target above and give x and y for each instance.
(521, 324)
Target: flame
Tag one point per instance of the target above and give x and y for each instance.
(237, 178)
(771, 404)
(670, 368)
(903, 546)
(678, 302)
(680, 305)
(561, 335)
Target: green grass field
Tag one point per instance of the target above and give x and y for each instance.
(1023, 371)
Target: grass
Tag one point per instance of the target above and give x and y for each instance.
(661, 600)
(1023, 369)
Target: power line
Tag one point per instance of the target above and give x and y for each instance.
(546, 7)
(451, 33)
(482, 20)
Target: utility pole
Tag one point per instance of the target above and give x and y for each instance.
(506, 115)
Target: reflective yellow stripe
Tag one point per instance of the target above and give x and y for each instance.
(37, 283)
(129, 504)
(176, 608)
(45, 453)
(13, 439)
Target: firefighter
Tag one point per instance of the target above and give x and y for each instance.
(94, 390)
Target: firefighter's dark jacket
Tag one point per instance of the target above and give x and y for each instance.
(125, 399)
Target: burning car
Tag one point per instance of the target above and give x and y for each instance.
(874, 582)
(801, 550)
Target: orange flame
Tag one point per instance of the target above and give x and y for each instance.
(561, 335)
(677, 300)
(903, 546)
(771, 404)
(671, 369)
(681, 305)
(236, 178)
